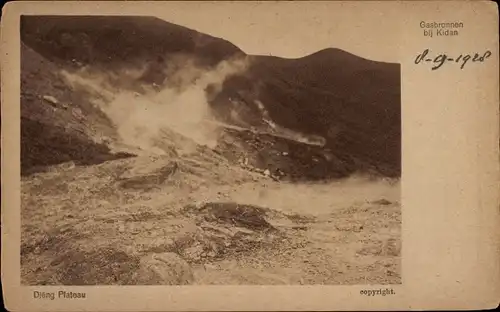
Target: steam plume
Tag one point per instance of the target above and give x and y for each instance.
(179, 106)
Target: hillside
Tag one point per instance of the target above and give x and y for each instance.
(58, 123)
(350, 102)
(111, 43)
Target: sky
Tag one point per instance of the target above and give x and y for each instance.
(294, 30)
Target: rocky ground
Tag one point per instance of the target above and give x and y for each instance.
(198, 219)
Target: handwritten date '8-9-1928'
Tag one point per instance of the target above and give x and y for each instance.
(441, 59)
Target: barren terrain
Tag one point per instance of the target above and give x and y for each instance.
(213, 223)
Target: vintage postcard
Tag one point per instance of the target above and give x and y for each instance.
(174, 156)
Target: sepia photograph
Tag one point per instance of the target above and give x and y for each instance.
(160, 153)
(250, 155)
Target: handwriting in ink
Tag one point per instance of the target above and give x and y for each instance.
(441, 59)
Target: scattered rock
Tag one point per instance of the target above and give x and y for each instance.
(50, 99)
(382, 201)
(101, 266)
(77, 113)
(28, 94)
(149, 180)
(164, 269)
(245, 216)
(275, 178)
(267, 173)
(210, 266)
(105, 140)
(67, 165)
(200, 204)
(121, 228)
(225, 230)
(222, 195)
(211, 254)
(371, 249)
(391, 247)
(228, 232)
(349, 227)
(194, 252)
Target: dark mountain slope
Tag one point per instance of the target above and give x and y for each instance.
(58, 131)
(110, 42)
(351, 102)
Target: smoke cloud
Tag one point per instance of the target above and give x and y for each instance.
(287, 133)
(176, 110)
